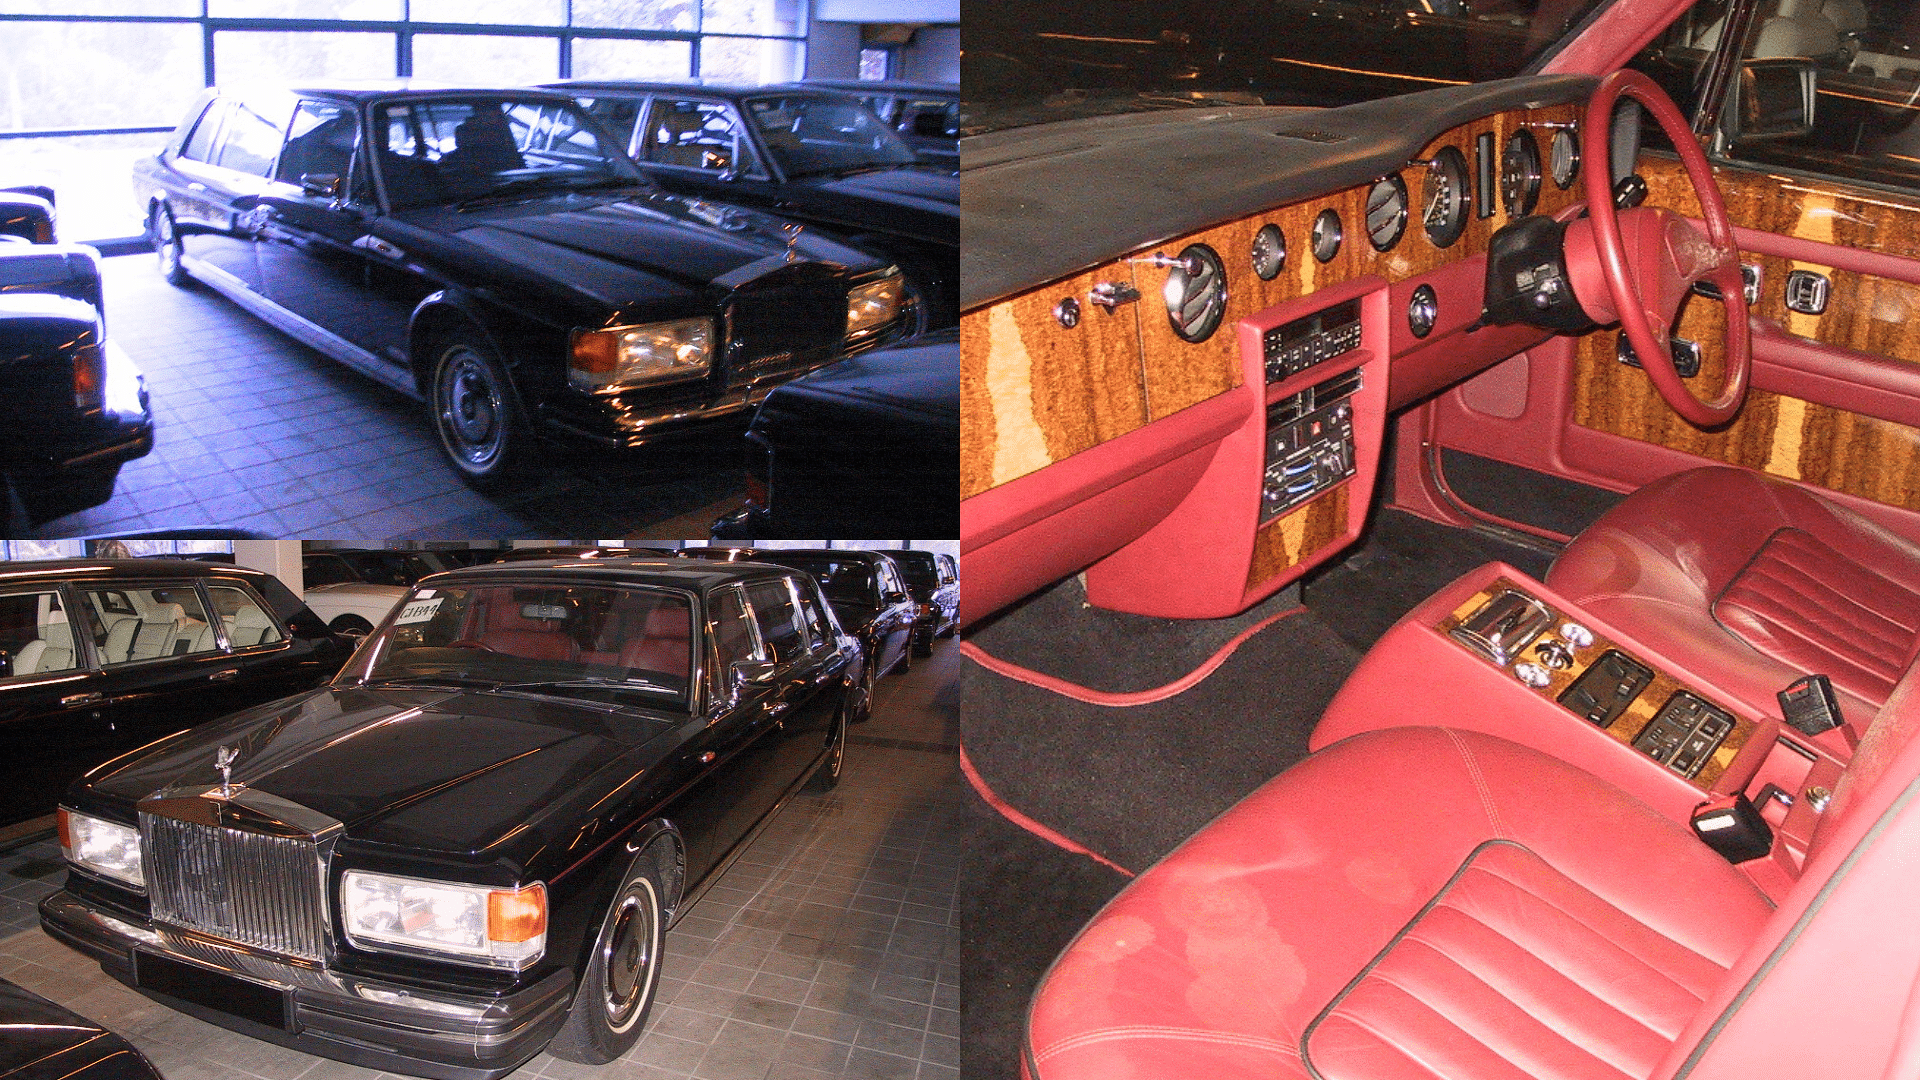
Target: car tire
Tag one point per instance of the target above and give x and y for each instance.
(616, 990)
(906, 656)
(352, 626)
(861, 710)
(166, 245)
(477, 415)
(826, 776)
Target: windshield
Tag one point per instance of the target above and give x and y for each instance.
(1030, 62)
(816, 136)
(586, 641)
(447, 151)
(840, 579)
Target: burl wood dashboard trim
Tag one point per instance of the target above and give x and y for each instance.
(1784, 436)
(1295, 537)
(1034, 392)
(1639, 714)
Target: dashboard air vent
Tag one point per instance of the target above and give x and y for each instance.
(1196, 293)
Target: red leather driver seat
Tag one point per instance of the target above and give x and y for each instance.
(1426, 903)
(1753, 582)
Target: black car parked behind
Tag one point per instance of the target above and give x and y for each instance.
(865, 590)
(934, 583)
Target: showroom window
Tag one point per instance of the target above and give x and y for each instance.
(145, 61)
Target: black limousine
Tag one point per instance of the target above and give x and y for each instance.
(470, 845)
(496, 254)
(814, 156)
(99, 657)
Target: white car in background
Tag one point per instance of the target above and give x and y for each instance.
(353, 608)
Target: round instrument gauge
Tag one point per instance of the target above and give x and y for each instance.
(1563, 158)
(1326, 236)
(1196, 293)
(1269, 252)
(1386, 211)
(1520, 174)
(1445, 197)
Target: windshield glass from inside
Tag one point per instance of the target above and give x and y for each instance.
(454, 152)
(630, 645)
(822, 135)
(1035, 61)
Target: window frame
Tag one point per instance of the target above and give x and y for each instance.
(744, 137)
(206, 585)
(83, 654)
(221, 644)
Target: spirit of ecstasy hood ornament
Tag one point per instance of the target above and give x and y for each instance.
(223, 760)
(793, 232)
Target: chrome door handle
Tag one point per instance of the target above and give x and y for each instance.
(707, 758)
(227, 674)
(82, 699)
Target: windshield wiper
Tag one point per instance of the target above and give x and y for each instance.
(454, 681)
(606, 684)
(521, 185)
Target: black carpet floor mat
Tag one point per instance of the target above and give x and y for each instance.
(1057, 633)
(1024, 900)
(1401, 561)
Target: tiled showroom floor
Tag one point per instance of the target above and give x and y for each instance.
(256, 431)
(828, 950)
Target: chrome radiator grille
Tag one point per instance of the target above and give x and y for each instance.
(265, 891)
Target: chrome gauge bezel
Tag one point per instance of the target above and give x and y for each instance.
(1269, 252)
(1563, 158)
(1196, 263)
(1327, 235)
(1520, 174)
(1389, 195)
(1446, 227)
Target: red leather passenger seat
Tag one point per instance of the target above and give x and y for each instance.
(1753, 582)
(512, 633)
(664, 645)
(1416, 902)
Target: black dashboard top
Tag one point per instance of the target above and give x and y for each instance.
(1042, 203)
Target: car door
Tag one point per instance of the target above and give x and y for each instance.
(49, 731)
(811, 673)
(316, 241)
(1829, 224)
(893, 626)
(728, 751)
(949, 588)
(226, 188)
(257, 645)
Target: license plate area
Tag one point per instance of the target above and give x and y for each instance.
(214, 990)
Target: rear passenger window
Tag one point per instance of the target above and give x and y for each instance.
(130, 626)
(732, 630)
(243, 616)
(779, 622)
(251, 143)
(321, 142)
(199, 145)
(35, 636)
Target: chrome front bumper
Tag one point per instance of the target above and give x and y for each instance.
(368, 1022)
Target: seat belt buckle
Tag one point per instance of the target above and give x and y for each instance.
(1732, 826)
(1809, 705)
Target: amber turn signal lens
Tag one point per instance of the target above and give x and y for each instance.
(517, 916)
(66, 833)
(596, 351)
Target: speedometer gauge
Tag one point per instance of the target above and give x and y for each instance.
(1563, 158)
(1520, 174)
(1386, 211)
(1444, 197)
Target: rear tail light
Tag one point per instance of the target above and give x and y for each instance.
(89, 378)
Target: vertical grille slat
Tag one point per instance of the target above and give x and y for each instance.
(258, 890)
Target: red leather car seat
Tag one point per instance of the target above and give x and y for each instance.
(1753, 582)
(511, 632)
(1426, 903)
(665, 643)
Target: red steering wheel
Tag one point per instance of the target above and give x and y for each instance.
(1651, 257)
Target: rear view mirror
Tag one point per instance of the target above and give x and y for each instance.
(1773, 99)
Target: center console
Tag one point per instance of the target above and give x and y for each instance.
(1500, 653)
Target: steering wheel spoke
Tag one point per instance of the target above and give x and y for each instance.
(1651, 258)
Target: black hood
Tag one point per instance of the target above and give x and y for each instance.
(904, 201)
(444, 770)
(611, 251)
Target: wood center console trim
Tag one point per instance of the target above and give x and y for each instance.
(1639, 713)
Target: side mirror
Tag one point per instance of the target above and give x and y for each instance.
(896, 598)
(320, 185)
(1773, 99)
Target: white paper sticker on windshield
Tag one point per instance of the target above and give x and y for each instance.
(419, 610)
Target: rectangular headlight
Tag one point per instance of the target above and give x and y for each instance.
(495, 927)
(625, 356)
(104, 847)
(874, 304)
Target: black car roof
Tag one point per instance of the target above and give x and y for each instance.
(858, 554)
(665, 571)
(655, 86)
(369, 89)
(144, 569)
(888, 86)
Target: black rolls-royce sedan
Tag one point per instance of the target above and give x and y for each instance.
(927, 115)
(102, 656)
(868, 448)
(496, 254)
(40, 1040)
(815, 156)
(469, 847)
